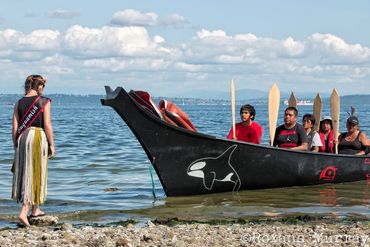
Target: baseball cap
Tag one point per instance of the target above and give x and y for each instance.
(352, 120)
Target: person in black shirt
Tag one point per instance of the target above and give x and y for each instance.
(291, 134)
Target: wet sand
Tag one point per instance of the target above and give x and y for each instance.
(193, 234)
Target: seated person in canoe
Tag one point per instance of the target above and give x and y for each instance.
(291, 134)
(353, 141)
(327, 135)
(314, 142)
(247, 130)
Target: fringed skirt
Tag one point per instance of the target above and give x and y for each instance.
(30, 167)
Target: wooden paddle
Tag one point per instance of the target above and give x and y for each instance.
(335, 111)
(273, 105)
(232, 91)
(317, 108)
(292, 101)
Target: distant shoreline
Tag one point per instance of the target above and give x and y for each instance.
(10, 99)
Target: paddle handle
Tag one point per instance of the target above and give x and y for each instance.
(232, 91)
(273, 109)
(335, 112)
(317, 108)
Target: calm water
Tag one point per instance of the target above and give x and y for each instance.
(101, 174)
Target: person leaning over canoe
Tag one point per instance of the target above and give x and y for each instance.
(327, 135)
(314, 142)
(353, 141)
(247, 130)
(291, 134)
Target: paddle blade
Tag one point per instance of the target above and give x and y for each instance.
(317, 108)
(232, 92)
(335, 112)
(273, 108)
(292, 101)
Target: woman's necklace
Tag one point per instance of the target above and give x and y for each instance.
(351, 137)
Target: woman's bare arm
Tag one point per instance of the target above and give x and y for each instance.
(15, 125)
(49, 129)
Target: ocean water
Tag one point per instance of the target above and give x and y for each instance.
(101, 174)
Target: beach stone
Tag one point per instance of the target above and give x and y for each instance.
(44, 220)
(111, 189)
(123, 242)
(93, 242)
(66, 227)
(150, 224)
(148, 237)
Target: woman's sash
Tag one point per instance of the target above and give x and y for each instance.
(31, 115)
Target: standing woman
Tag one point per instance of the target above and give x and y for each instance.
(33, 142)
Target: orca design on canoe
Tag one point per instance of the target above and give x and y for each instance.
(191, 163)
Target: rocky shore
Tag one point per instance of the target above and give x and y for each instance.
(192, 234)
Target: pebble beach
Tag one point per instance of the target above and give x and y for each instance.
(192, 234)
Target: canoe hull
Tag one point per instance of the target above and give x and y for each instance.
(190, 163)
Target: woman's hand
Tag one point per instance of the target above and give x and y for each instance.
(51, 153)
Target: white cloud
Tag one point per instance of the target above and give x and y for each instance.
(211, 56)
(38, 40)
(293, 48)
(173, 20)
(28, 47)
(63, 14)
(335, 50)
(118, 65)
(131, 17)
(114, 41)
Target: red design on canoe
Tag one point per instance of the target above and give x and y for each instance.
(328, 174)
(174, 115)
(143, 98)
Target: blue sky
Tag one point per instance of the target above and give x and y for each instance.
(174, 48)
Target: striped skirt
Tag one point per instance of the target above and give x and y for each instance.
(30, 167)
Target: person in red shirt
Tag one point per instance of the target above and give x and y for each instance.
(247, 130)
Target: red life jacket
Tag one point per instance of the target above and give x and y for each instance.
(143, 98)
(174, 115)
(330, 142)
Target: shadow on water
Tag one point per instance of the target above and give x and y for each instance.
(339, 200)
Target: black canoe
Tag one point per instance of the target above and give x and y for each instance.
(191, 163)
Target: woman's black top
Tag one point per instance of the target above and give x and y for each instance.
(350, 147)
(25, 103)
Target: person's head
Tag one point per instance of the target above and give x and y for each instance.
(308, 121)
(290, 115)
(326, 124)
(352, 124)
(247, 112)
(34, 82)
